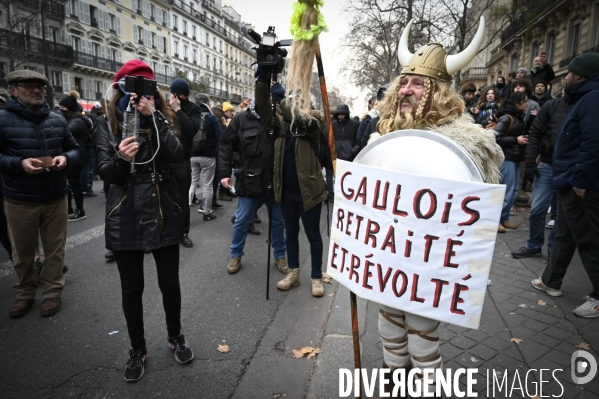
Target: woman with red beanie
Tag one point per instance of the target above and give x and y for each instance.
(141, 211)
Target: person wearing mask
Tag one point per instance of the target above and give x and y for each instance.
(510, 134)
(532, 108)
(503, 87)
(295, 188)
(36, 150)
(80, 127)
(576, 178)
(141, 213)
(541, 95)
(203, 162)
(488, 105)
(189, 118)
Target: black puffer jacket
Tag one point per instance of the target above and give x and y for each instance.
(26, 133)
(506, 136)
(141, 208)
(213, 133)
(346, 132)
(246, 135)
(545, 129)
(189, 117)
(81, 129)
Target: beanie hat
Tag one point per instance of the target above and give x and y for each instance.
(180, 86)
(134, 68)
(585, 65)
(523, 70)
(543, 82)
(227, 107)
(70, 102)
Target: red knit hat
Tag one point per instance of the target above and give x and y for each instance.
(134, 68)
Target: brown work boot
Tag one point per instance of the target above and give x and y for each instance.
(50, 306)
(510, 225)
(234, 265)
(292, 279)
(500, 229)
(317, 288)
(282, 265)
(20, 307)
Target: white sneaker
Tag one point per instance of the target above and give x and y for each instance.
(589, 309)
(539, 285)
(513, 211)
(550, 224)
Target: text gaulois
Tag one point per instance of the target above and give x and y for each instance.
(415, 243)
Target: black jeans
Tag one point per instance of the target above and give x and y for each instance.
(293, 209)
(74, 178)
(131, 271)
(4, 238)
(577, 226)
(181, 172)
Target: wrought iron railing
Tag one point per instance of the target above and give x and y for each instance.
(32, 45)
(566, 61)
(93, 61)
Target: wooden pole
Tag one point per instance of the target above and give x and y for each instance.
(325, 105)
(356, 338)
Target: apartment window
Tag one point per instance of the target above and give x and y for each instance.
(534, 51)
(185, 51)
(574, 38)
(164, 44)
(74, 7)
(221, 46)
(96, 49)
(76, 43)
(185, 26)
(152, 12)
(214, 42)
(140, 33)
(221, 65)
(207, 39)
(93, 12)
(207, 61)
(193, 31)
(195, 53)
(176, 48)
(53, 33)
(153, 44)
(550, 47)
(514, 62)
(112, 20)
(175, 22)
(56, 78)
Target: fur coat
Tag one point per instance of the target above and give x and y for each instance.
(477, 142)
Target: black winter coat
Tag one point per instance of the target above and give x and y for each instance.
(544, 73)
(507, 137)
(141, 208)
(543, 133)
(369, 129)
(247, 136)
(189, 118)
(346, 135)
(81, 129)
(25, 133)
(213, 133)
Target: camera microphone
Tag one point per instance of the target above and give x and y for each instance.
(257, 38)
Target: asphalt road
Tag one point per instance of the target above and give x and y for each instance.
(81, 351)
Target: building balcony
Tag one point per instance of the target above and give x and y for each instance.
(235, 99)
(210, 6)
(97, 62)
(184, 7)
(566, 61)
(164, 79)
(217, 93)
(50, 9)
(56, 53)
(475, 73)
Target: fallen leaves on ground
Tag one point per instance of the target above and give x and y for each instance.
(223, 348)
(516, 340)
(306, 351)
(542, 302)
(583, 345)
(326, 278)
(331, 295)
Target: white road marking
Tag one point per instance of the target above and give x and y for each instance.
(6, 268)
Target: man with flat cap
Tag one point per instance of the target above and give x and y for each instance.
(35, 150)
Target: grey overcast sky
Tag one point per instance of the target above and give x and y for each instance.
(262, 14)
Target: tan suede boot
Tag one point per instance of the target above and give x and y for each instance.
(234, 265)
(317, 288)
(282, 265)
(292, 279)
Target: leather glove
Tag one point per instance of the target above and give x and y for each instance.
(262, 75)
(531, 172)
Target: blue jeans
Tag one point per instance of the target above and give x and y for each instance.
(510, 176)
(293, 209)
(87, 174)
(542, 197)
(246, 208)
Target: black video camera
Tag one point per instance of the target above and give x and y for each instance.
(269, 52)
(140, 86)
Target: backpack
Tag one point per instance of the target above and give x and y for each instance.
(200, 140)
(493, 123)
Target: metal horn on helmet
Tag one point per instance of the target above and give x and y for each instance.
(458, 61)
(453, 63)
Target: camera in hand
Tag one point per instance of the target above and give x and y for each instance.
(140, 86)
(269, 53)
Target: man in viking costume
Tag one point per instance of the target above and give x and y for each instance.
(421, 98)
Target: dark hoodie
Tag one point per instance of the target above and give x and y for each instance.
(510, 125)
(346, 132)
(576, 153)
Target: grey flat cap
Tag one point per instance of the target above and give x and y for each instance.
(25, 74)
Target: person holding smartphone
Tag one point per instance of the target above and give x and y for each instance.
(141, 211)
